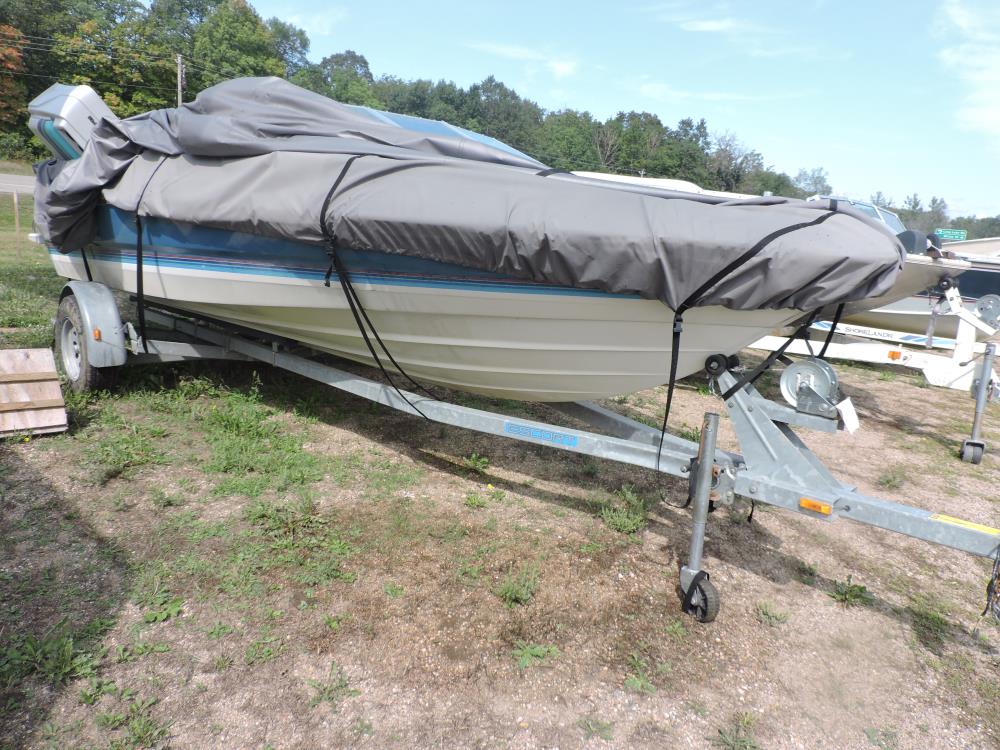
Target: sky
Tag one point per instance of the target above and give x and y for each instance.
(901, 96)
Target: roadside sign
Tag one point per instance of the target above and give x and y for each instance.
(951, 234)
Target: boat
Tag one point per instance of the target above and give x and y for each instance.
(473, 266)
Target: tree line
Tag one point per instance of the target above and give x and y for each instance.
(128, 52)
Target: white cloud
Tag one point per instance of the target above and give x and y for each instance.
(726, 25)
(322, 23)
(559, 67)
(971, 51)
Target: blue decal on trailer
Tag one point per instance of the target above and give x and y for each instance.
(538, 433)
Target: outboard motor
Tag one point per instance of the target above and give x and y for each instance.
(64, 117)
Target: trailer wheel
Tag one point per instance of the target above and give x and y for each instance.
(707, 602)
(971, 452)
(71, 351)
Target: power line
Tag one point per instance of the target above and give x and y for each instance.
(48, 44)
(91, 80)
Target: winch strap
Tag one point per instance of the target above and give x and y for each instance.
(86, 265)
(993, 590)
(745, 380)
(552, 170)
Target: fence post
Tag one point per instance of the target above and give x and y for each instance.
(17, 225)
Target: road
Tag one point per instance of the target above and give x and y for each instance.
(20, 183)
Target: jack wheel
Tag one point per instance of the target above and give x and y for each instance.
(71, 351)
(972, 453)
(716, 364)
(705, 603)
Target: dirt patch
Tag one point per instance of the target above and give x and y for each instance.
(387, 582)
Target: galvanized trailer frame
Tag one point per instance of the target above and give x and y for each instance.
(776, 467)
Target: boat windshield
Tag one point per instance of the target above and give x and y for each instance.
(436, 127)
(892, 221)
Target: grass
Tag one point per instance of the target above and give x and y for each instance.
(475, 463)
(768, 614)
(883, 739)
(594, 727)
(931, 624)
(518, 587)
(893, 477)
(638, 680)
(57, 656)
(530, 654)
(334, 689)
(851, 594)
(738, 734)
(626, 512)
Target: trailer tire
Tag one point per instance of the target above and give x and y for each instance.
(71, 342)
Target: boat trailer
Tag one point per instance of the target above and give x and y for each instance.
(776, 467)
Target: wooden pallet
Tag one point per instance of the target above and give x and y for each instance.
(31, 400)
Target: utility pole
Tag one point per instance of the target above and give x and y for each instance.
(180, 78)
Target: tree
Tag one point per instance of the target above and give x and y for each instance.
(813, 181)
(767, 180)
(731, 162)
(344, 76)
(566, 140)
(497, 111)
(291, 45)
(13, 92)
(881, 200)
(233, 41)
(607, 140)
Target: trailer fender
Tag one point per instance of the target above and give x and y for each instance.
(101, 321)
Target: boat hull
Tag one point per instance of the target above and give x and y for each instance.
(446, 326)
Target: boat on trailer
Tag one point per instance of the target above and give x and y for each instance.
(461, 262)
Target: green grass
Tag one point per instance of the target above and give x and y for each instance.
(529, 654)
(738, 735)
(851, 594)
(594, 727)
(393, 590)
(626, 512)
(883, 739)
(57, 656)
(332, 690)
(893, 477)
(475, 501)
(931, 624)
(518, 587)
(768, 614)
(638, 680)
(475, 463)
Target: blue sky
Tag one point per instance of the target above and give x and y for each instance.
(886, 95)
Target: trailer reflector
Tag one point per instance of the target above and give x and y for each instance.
(815, 506)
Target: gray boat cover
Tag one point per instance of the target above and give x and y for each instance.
(261, 155)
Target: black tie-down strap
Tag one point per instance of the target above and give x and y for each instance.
(678, 327)
(361, 318)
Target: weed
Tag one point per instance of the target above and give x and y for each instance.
(475, 501)
(161, 499)
(335, 622)
(124, 654)
(590, 548)
(475, 463)
(333, 690)
(363, 728)
(594, 727)
(676, 629)
(222, 662)
(142, 730)
(219, 630)
(883, 739)
(58, 656)
(162, 606)
(110, 720)
(393, 590)
(96, 687)
(626, 514)
(638, 681)
(590, 468)
(687, 432)
(530, 654)
(384, 477)
(807, 573)
(495, 494)
(892, 478)
(518, 587)
(262, 650)
(768, 614)
(851, 594)
(738, 735)
(887, 375)
(470, 572)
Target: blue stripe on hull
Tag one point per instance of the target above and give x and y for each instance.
(169, 244)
